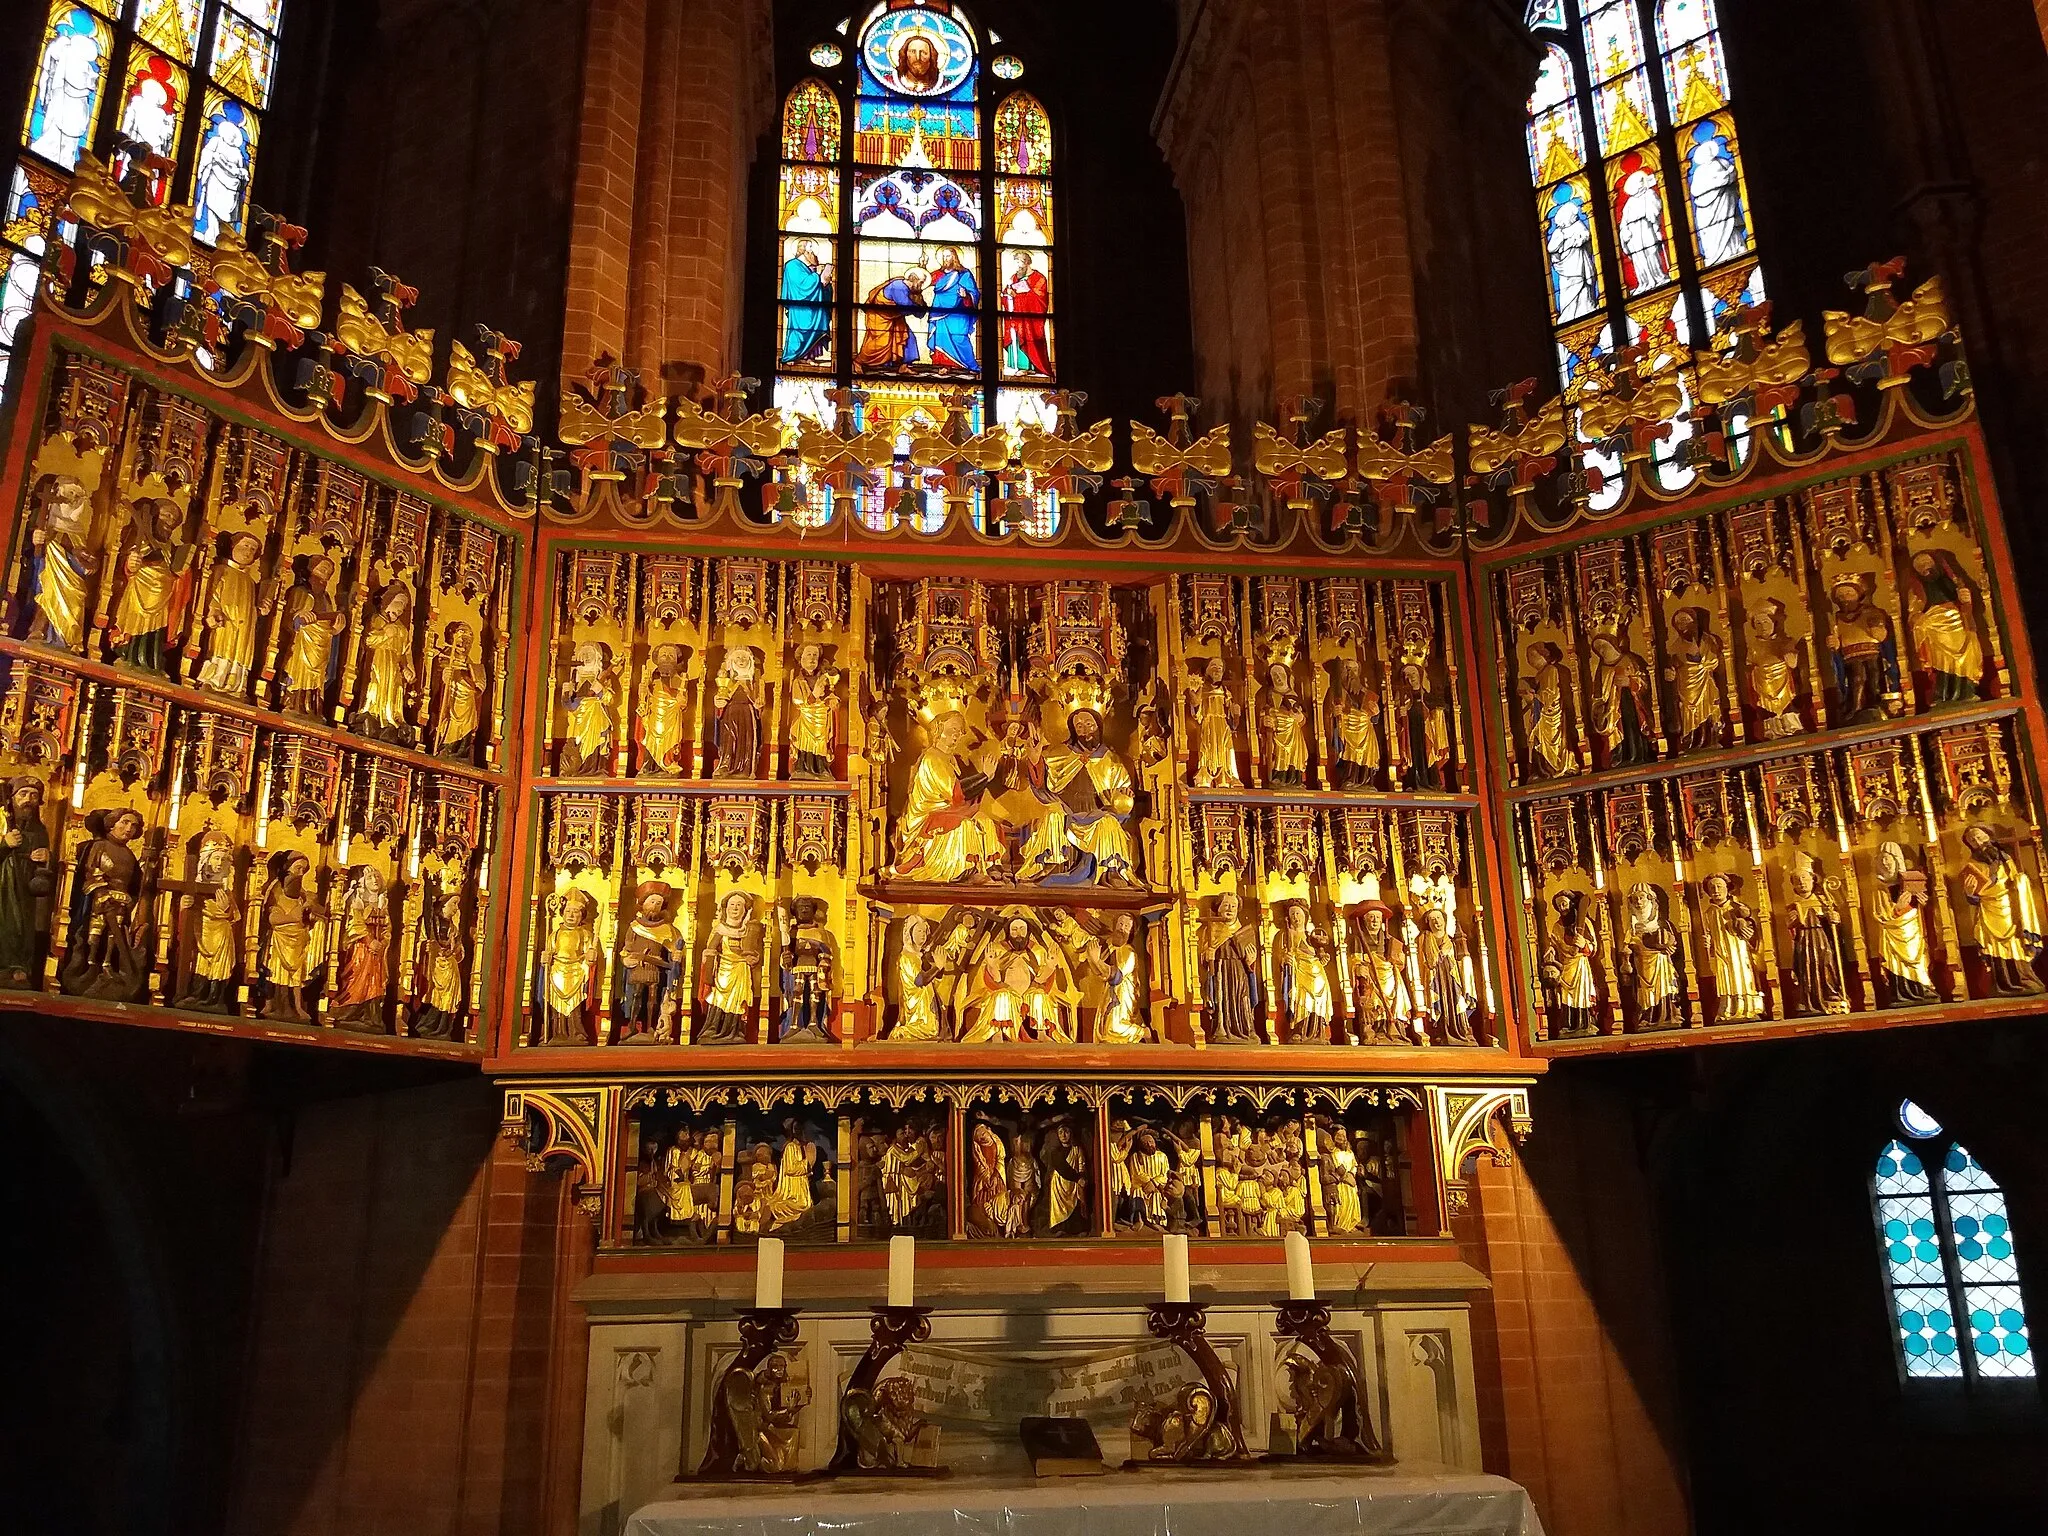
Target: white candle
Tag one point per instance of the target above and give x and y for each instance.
(1301, 1271)
(1173, 1253)
(902, 1271)
(768, 1273)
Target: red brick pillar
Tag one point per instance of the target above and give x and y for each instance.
(676, 96)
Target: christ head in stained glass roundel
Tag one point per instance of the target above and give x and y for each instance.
(917, 52)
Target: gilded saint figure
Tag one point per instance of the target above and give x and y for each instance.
(63, 559)
(949, 829)
(1141, 1179)
(216, 943)
(1422, 726)
(2008, 908)
(294, 944)
(1301, 975)
(155, 576)
(1543, 712)
(459, 695)
(1213, 716)
(1232, 991)
(1354, 712)
(590, 701)
(988, 1176)
(1695, 678)
(1941, 611)
(1866, 654)
(1571, 980)
(813, 715)
(442, 953)
(1379, 978)
(1621, 700)
(662, 729)
(1774, 673)
(1816, 925)
(1653, 959)
(809, 972)
(236, 600)
(917, 983)
(388, 671)
(311, 625)
(1063, 1160)
(737, 702)
(1285, 723)
(1019, 986)
(650, 968)
(1729, 933)
(569, 967)
(1086, 793)
(730, 968)
(1340, 1183)
(1444, 969)
(1122, 1019)
(110, 934)
(1898, 911)
(25, 882)
(365, 952)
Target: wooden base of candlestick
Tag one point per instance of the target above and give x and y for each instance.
(753, 1413)
(1332, 1425)
(1198, 1425)
(879, 1425)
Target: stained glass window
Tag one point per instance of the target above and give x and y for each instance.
(1641, 196)
(915, 242)
(1949, 1260)
(158, 60)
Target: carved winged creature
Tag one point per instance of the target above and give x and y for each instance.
(407, 356)
(1771, 369)
(480, 387)
(1888, 337)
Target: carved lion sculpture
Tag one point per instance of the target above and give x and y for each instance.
(884, 1423)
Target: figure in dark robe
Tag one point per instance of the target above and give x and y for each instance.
(109, 954)
(1231, 989)
(738, 701)
(24, 882)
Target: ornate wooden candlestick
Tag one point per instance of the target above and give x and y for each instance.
(879, 1426)
(753, 1429)
(1329, 1398)
(1198, 1424)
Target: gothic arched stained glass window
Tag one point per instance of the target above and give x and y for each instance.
(915, 234)
(1641, 197)
(122, 78)
(1949, 1262)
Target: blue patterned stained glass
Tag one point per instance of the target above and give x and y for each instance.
(1544, 13)
(1899, 1171)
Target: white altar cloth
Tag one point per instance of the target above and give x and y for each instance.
(1249, 1502)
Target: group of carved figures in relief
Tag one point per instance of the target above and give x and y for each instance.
(1025, 1172)
(1817, 886)
(252, 602)
(1845, 606)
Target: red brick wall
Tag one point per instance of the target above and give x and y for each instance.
(409, 1332)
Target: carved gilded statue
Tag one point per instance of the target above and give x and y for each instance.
(442, 954)
(1122, 1019)
(25, 882)
(949, 830)
(911, 1172)
(1422, 727)
(459, 696)
(110, 950)
(1695, 678)
(737, 702)
(1379, 978)
(988, 1176)
(796, 1167)
(813, 715)
(1340, 1183)
(1063, 1160)
(1543, 720)
(1653, 963)
(569, 967)
(917, 983)
(1571, 983)
(1729, 932)
(1898, 910)
(1142, 1167)
(1285, 723)
(312, 623)
(1444, 969)
(1019, 984)
(64, 556)
(1232, 991)
(1774, 673)
(1941, 611)
(663, 726)
(294, 946)
(2009, 928)
(388, 672)
(1354, 711)
(809, 971)
(730, 969)
(235, 604)
(1620, 705)
(365, 952)
(650, 967)
(1866, 653)
(1213, 716)
(1816, 925)
(590, 699)
(1301, 975)
(1086, 794)
(216, 945)
(155, 568)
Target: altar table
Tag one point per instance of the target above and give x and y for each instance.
(1250, 1502)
